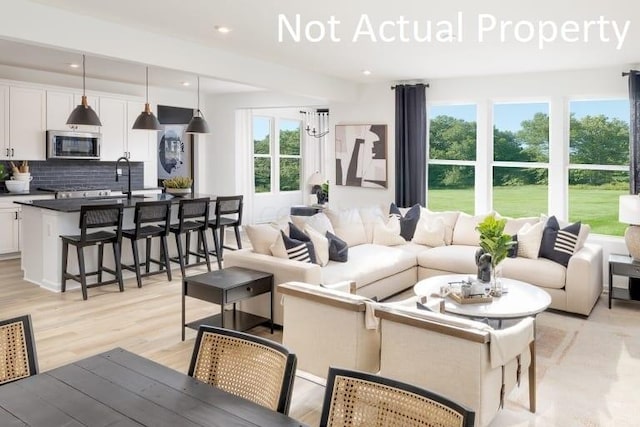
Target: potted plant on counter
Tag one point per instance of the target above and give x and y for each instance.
(178, 186)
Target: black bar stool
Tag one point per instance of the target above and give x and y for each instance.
(196, 210)
(226, 206)
(96, 216)
(159, 215)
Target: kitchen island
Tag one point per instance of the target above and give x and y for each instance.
(44, 221)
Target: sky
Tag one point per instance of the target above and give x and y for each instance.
(261, 126)
(509, 116)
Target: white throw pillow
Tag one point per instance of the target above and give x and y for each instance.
(430, 233)
(388, 234)
(262, 236)
(348, 226)
(465, 232)
(277, 248)
(320, 245)
(449, 219)
(529, 239)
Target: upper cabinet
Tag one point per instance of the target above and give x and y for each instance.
(137, 140)
(5, 148)
(61, 104)
(27, 124)
(118, 139)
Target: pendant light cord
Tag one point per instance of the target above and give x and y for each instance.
(83, 77)
(147, 84)
(198, 94)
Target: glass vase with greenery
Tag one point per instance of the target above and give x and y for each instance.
(494, 242)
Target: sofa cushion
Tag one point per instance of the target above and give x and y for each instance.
(449, 219)
(338, 248)
(455, 259)
(464, 232)
(540, 272)
(369, 263)
(388, 234)
(347, 224)
(370, 217)
(408, 220)
(319, 221)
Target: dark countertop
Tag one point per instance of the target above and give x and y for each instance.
(73, 205)
(5, 193)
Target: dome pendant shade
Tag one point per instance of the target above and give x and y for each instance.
(83, 114)
(146, 120)
(197, 124)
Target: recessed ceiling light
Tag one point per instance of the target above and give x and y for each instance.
(366, 72)
(222, 29)
(74, 65)
(185, 84)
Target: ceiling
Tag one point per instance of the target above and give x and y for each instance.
(255, 34)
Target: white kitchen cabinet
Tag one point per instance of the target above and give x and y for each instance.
(27, 124)
(113, 115)
(61, 104)
(138, 140)
(5, 148)
(9, 230)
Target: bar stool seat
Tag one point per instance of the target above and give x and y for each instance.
(94, 216)
(193, 216)
(152, 219)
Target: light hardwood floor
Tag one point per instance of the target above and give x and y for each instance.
(144, 321)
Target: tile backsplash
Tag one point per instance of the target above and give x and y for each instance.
(82, 173)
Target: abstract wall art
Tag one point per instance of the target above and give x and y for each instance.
(361, 155)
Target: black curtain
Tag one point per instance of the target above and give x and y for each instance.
(411, 145)
(634, 132)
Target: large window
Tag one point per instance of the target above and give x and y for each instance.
(452, 156)
(521, 157)
(276, 147)
(599, 162)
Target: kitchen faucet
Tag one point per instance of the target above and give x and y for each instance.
(128, 193)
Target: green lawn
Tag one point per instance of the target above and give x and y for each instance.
(595, 206)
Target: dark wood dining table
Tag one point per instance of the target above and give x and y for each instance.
(119, 388)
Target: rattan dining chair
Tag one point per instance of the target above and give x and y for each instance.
(251, 367)
(17, 349)
(358, 398)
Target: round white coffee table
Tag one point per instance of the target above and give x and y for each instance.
(521, 300)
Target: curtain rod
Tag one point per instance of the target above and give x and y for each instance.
(425, 85)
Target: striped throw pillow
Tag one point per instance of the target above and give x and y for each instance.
(559, 244)
(298, 250)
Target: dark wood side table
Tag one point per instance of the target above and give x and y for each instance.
(622, 265)
(228, 286)
(306, 210)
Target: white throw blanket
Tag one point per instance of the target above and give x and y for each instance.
(507, 343)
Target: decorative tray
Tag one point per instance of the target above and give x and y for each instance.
(480, 299)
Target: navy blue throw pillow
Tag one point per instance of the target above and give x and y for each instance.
(513, 249)
(338, 248)
(408, 222)
(298, 250)
(559, 244)
(296, 233)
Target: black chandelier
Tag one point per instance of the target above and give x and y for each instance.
(312, 117)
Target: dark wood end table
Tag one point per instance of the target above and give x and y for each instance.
(228, 286)
(622, 265)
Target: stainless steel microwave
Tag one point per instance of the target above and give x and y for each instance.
(63, 144)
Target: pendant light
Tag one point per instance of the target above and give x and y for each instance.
(146, 120)
(83, 114)
(198, 124)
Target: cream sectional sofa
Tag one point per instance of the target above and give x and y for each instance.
(380, 270)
